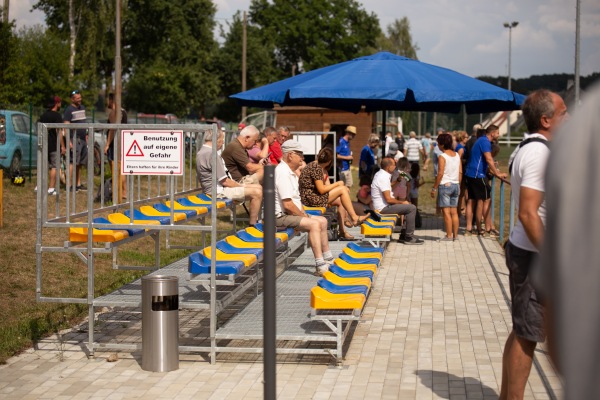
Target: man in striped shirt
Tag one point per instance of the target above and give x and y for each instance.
(413, 148)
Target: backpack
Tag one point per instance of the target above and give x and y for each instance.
(106, 195)
(523, 143)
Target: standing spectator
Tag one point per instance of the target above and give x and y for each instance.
(75, 113)
(367, 156)
(460, 150)
(226, 187)
(288, 206)
(237, 161)
(415, 183)
(109, 148)
(479, 163)
(394, 152)
(388, 140)
(447, 182)
(567, 272)
(384, 201)
(413, 149)
(400, 140)
(426, 142)
(344, 154)
(51, 116)
(543, 112)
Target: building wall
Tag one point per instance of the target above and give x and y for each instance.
(310, 119)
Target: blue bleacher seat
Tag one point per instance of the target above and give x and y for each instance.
(187, 203)
(101, 220)
(138, 215)
(165, 208)
(205, 197)
(289, 231)
(351, 274)
(229, 249)
(352, 260)
(364, 249)
(200, 264)
(338, 289)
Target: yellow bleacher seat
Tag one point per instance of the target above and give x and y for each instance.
(321, 299)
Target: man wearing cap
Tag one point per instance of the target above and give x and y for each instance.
(51, 116)
(226, 187)
(394, 152)
(75, 113)
(288, 206)
(238, 162)
(344, 154)
(367, 156)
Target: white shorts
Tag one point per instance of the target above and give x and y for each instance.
(235, 193)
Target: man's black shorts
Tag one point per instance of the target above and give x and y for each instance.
(478, 188)
(527, 311)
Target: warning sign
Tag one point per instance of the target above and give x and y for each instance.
(134, 150)
(156, 152)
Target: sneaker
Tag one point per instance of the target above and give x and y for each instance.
(413, 241)
(446, 239)
(402, 239)
(321, 269)
(82, 188)
(51, 192)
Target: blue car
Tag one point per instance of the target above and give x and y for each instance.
(15, 141)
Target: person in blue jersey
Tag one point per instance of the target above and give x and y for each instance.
(344, 155)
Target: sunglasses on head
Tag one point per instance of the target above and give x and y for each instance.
(74, 92)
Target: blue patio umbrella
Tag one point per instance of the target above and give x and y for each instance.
(384, 81)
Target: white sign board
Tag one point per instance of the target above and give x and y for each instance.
(155, 152)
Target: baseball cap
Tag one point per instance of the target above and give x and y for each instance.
(393, 149)
(241, 126)
(291, 146)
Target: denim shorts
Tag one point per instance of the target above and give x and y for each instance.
(448, 195)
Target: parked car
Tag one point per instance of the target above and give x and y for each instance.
(15, 143)
(142, 118)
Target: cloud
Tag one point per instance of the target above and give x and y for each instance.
(20, 11)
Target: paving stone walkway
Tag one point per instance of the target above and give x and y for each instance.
(434, 328)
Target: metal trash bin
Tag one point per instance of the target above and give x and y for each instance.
(160, 323)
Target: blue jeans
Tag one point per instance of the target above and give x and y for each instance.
(448, 195)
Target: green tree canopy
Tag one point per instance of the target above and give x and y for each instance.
(313, 34)
(172, 52)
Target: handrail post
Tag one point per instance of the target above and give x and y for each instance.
(493, 198)
(501, 211)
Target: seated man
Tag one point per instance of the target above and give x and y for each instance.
(384, 201)
(236, 158)
(288, 207)
(225, 186)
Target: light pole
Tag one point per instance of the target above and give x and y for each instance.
(510, 26)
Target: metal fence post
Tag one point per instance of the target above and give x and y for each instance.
(501, 211)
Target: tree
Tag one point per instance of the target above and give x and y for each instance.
(12, 82)
(313, 34)
(260, 65)
(400, 39)
(171, 50)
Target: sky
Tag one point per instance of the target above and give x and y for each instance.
(467, 35)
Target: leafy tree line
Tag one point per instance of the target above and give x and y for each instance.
(171, 60)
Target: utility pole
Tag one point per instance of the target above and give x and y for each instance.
(5, 11)
(510, 27)
(244, 108)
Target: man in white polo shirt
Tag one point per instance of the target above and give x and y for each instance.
(289, 211)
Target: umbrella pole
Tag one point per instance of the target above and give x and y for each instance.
(383, 119)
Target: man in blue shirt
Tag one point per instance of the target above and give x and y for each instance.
(480, 159)
(344, 154)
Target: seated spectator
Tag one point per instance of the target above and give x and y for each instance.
(316, 191)
(368, 157)
(364, 192)
(384, 201)
(274, 152)
(288, 206)
(260, 150)
(238, 162)
(226, 187)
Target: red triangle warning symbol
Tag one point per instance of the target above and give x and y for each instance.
(135, 150)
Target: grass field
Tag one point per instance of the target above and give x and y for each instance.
(23, 321)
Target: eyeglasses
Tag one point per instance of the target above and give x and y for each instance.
(301, 155)
(74, 92)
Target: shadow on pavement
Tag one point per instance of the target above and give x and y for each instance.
(447, 385)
